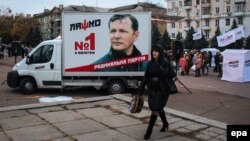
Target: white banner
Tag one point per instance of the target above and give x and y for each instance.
(239, 32)
(226, 38)
(197, 35)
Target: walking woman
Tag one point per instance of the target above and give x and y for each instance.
(157, 72)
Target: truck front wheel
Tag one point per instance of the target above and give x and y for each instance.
(116, 87)
(27, 86)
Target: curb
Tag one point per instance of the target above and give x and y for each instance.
(181, 114)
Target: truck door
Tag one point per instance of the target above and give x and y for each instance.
(42, 63)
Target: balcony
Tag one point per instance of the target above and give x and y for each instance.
(240, 1)
(206, 16)
(238, 13)
(206, 5)
(187, 18)
(204, 27)
(187, 7)
(186, 28)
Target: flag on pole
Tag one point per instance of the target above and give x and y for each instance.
(197, 35)
(239, 32)
(226, 38)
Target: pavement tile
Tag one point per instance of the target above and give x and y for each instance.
(63, 139)
(175, 138)
(82, 105)
(210, 133)
(79, 126)
(10, 114)
(35, 133)
(214, 139)
(18, 122)
(179, 124)
(174, 119)
(105, 135)
(60, 116)
(115, 121)
(143, 114)
(183, 130)
(96, 112)
(110, 102)
(203, 137)
(122, 106)
(45, 110)
(196, 126)
(138, 131)
(217, 130)
(222, 137)
(3, 137)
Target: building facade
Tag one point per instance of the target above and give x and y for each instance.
(51, 20)
(207, 15)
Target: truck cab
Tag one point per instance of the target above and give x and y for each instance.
(40, 69)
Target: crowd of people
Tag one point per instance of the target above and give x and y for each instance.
(22, 51)
(198, 62)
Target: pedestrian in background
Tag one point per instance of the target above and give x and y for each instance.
(157, 71)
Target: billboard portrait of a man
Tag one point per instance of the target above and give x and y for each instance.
(123, 32)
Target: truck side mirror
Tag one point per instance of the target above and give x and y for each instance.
(28, 60)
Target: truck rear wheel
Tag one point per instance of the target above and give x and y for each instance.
(116, 87)
(27, 86)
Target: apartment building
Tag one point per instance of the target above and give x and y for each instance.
(207, 15)
(50, 20)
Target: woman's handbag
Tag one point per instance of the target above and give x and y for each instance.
(171, 85)
(136, 104)
(193, 67)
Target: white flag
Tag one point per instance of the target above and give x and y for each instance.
(197, 35)
(239, 32)
(226, 38)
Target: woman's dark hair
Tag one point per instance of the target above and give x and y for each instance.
(159, 49)
(134, 21)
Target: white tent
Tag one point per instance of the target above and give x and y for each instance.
(236, 65)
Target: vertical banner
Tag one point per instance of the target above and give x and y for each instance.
(239, 33)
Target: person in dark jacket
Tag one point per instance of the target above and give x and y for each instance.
(123, 32)
(157, 71)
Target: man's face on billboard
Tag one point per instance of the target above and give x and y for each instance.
(122, 36)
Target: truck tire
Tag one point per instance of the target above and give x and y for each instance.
(116, 87)
(27, 86)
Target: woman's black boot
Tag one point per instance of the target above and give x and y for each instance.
(150, 126)
(164, 121)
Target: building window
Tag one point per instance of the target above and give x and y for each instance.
(206, 11)
(227, 22)
(240, 20)
(197, 12)
(228, 9)
(197, 2)
(207, 33)
(240, 7)
(180, 3)
(197, 24)
(217, 0)
(217, 23)
(173, 5)
(173, 25)
(207, 22)
(188, 23)
(173, 35)
(217, 10)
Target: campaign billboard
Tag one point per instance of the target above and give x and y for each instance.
(106, 44)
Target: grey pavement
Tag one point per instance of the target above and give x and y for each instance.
(104, 118)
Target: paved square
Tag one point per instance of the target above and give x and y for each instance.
(80, 126)
(36, 133)
(61, 116)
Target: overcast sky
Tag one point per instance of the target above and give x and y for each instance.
(37, 6)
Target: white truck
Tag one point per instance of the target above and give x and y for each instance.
(73, 59)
